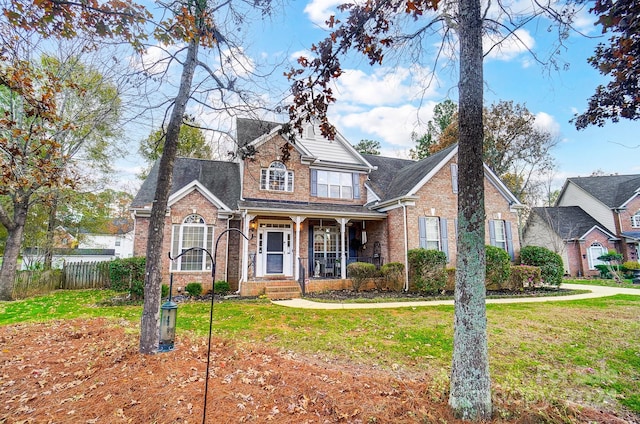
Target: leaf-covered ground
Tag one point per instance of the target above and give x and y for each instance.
(90, 371)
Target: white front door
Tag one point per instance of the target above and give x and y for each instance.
(275, 250)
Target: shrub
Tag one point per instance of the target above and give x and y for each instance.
(393, 275)
(128, 275)
(522, 277)
(359, 272)
(631, 265)
(427, 270)
(450, 286)
(498, 268)
(550, 263)
(164, 290)
(194, 289)
(221, 287)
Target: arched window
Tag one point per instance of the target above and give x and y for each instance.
(276, 177)
(594, 252)
(193, 232)
(635, 220)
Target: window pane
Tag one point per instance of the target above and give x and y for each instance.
(192, 236)
(290, 182)
(334, 178)
(346, 179)
(322, 177)
(263, 179)
(323, 190)
(334, 191)
(347, 192)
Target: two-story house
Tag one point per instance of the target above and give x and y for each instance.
(592, 216)
(308, 209)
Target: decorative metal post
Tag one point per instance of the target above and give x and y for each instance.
(168, 315)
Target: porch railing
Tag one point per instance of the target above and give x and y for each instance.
(327, 268)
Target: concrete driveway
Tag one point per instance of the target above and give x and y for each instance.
(595, 291)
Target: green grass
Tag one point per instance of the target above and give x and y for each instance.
(587, 351)
(627, 284)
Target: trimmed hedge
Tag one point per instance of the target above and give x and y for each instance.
(550, 263)
(359, 272)
(524, 277)
(393, 275)
(427, 270)
(498, 268)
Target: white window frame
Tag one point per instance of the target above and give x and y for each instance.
(593, 253)
(432, 232)
(635, 220)
(334, 184)
(276, 178)
(500, 234)
(180, 242)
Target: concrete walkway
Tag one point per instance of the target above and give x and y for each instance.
(595, 291)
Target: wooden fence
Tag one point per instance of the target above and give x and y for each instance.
(73, 276)
(85, 275)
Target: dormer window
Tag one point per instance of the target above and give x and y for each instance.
(635, 220)
(276, 177)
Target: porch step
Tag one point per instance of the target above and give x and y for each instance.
(281, 290)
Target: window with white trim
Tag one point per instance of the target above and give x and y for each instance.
(635, 220)
(276, 177)
(430, 233)
(500, 234)
(336, 185)
(193, 232)
(594, 252)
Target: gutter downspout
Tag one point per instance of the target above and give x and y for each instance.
(406, 246)
(245, 251)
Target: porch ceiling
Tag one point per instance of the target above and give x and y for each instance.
(309, 209)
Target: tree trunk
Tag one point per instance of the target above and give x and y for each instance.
(470, 394)
(12, 250)
(150, 322)
(51, 228)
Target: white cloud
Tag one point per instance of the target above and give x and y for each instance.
(390, 125)
(320, 10)
(156, 59)
(384, 86)
(546, 122)
(508, 48)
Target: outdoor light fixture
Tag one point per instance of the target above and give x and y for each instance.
(168, 314)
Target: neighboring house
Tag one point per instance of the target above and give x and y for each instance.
(308, 214)
(592, 216)
(115, 242)
(118, 236)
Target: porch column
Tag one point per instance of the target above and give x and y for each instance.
(245, 248)
(343, 245)
(297, 220)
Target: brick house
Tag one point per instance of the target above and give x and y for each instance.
(310, 212)
(592, 216)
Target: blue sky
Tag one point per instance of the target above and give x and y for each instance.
(380, 103)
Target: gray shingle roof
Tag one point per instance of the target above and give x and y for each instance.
(396, 177)
(307, 207)
(569, 222)
(222, 179)
(248, 130)
(612, 190)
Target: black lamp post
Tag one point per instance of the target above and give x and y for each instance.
(168, 315)
(213, 277)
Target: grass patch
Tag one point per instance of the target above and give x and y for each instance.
(626, 284)
(586, 351)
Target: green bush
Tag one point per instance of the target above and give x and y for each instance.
(498, 268)
(631, 265)
(165, 290)
(221, 287)
(427, 270)
(128, 275)
(550, 263)
(359, 272)
(194, 289)
(450, 286)
(393, 275)
(523, 277)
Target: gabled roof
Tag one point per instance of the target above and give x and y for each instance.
(612, 190)
(398, 177)
(569, 222)
(247, 130)
(221, 179)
